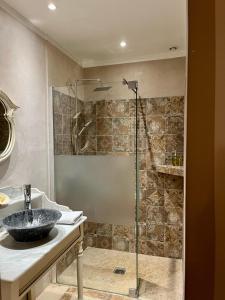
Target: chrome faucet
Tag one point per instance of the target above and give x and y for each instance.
(27, 196)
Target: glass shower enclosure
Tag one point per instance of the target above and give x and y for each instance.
(96, 170)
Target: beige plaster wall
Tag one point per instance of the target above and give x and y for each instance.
(61, 68)
(28, 64)
(23, 79)
(156, 78)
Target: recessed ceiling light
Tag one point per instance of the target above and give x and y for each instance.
(51, 6)
(123, 44)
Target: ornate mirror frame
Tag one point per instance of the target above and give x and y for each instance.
(10, 108)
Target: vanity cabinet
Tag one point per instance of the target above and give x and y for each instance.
(22, 265)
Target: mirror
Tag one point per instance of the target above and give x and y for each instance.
(7, 126)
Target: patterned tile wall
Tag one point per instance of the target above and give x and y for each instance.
(161, 128)
(64, 109)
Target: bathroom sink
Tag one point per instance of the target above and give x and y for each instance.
(31, 225)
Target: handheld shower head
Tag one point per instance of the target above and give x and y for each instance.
(76, 115)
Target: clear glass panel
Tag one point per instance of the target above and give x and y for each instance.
(95, 171)
(111, 171)
(160, 138)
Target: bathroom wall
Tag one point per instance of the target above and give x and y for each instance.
(23, 79)
(61, 68)
(161, 129)
(28, 65)
(112, 131)
(160, 78)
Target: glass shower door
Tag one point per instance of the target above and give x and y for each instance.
(96, 171)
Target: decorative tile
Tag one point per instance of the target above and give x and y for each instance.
(173, 233)
(121, 126)
(155, 248)
(142, 195)
(89, 109)
(58, 144)
(61, 103)
(142, 231)
(156, 124)
(57, 108)
(90, 240)
(175, 106)
(174, 215)
(174, 142)
(142, 212)
(104, 229)
(156, 106)
(73, 106)
(173, 249)
(175, 125)
(157, 143)
(174, 198)
(104, 143)
(91, 227)
(142, 161)
(141, 143)
(65, 104)
(155, 197)
(155, 215)
(160, 132)
(104, 126)
(141, 107)
(123, 231)
(104, 242)
(120, 108)
(155, 232)
(121, 244)
(155, 180)
(91, 129)
(66, 124)
(67, 146)
(140, 248)
(92, 147)
(121, 143)
(143, 179)
(104, 108)
(156, 160)
(142, 126)
(57, 119)
(173, 182)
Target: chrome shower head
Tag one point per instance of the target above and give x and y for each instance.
(102, 88)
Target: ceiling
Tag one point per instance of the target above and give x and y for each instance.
(91, 30)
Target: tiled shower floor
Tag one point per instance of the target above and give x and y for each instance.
(161, 278)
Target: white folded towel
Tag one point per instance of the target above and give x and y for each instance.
(70, 217)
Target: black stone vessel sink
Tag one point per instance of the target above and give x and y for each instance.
(31, 225)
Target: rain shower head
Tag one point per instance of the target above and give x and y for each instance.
(102, 88)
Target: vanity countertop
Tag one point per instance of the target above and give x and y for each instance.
(17, 258)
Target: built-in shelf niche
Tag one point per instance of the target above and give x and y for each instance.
(172, 170)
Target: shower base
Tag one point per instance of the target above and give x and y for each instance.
(161, 278)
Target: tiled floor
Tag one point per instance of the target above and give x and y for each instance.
(161, 278)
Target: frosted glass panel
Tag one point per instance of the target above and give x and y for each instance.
(103, 186)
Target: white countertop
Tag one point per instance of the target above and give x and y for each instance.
(17, 258)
